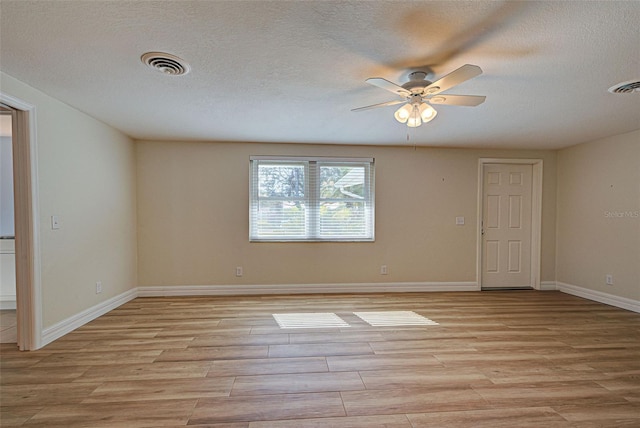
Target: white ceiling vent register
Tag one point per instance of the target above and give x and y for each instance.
(166, 63)
(626, 87)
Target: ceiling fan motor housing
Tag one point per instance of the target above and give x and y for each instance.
(417, 82)
(415, 98)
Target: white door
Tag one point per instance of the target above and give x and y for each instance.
(506, 226)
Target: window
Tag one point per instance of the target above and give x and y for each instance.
(311, 199)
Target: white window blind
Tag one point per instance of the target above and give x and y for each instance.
(311, 199)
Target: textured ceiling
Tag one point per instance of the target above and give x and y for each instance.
(290, 71)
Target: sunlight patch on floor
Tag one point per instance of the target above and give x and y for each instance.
(393, 318)
(310, 320)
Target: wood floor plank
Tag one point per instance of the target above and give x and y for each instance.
(214, 353)
(378, 421)
(268, 366)
(606, 414)
(320, 350)
(11, 358)
(45, 394)
(433, 377)
(297, 383)
(115, 415)
(419, 334)
(411, 400)
(431, 346)
(525, 417)
(156, 370)
(547, 394)
(98, 358)
(267, 407)
(521, 374)
(194, 331)
(627, 386)
(381, 362)
(336, 337)
(164, 389)
(220, 425)
(48, 375)
(275, 329)
(246, 340)
(15, 416)
(140, 344)
(85, 336)
(481, 359)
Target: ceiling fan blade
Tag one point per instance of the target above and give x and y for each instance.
(457, 100)
(454, 78)
(388, 86)
(388, 103)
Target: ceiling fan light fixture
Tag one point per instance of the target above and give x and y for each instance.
(403, 113)
(427, 113)
(414, 120)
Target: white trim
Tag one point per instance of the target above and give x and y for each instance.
(548, 286)
(7, 303)
(241, 290)
(28, 260)
(312, 159)
(599, 296)
(66, 326)
(536, 215)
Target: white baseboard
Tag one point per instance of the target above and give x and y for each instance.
(599, 296)
(7, 302)
(239, 290)
(548, 286)
(58, 330)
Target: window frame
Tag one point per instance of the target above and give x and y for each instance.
(312, 197)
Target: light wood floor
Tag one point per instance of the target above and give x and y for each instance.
(497, 359)
(8, 326)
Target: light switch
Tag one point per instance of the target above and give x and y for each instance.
(54, 222)
(460, 221)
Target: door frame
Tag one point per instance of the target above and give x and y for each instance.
(25, 185)
(536, 215)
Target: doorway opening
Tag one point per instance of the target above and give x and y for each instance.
(8, 323)
(27, 255)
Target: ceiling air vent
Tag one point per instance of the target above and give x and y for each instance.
(166, 63)
(626, 87)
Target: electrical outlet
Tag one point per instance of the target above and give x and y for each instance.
(98, 287)
(609, 279)
(383, 270)
(55, 223)
(239, 271)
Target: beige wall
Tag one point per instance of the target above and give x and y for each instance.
(86, 176)
(193, 217)
(598, 215)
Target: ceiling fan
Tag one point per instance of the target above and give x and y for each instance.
(418, 94)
